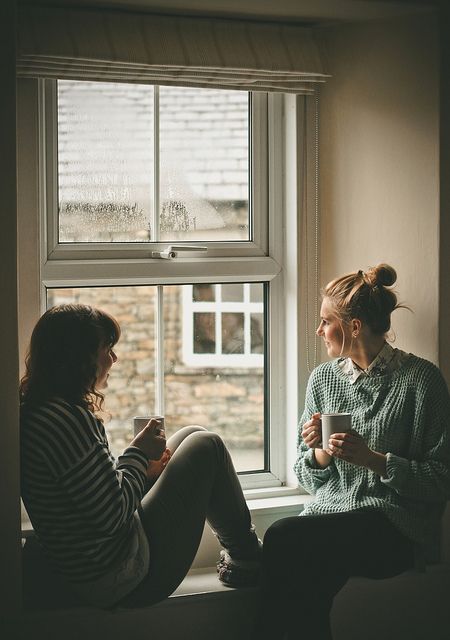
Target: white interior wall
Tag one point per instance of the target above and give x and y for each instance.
(380, 164)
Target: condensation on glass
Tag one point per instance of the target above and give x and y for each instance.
(108, 158)
(225, 394)
(105, 161)
(204, 177)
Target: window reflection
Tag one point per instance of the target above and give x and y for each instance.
(232, 333)
(232, 292)
(204, 333)
(203, 292)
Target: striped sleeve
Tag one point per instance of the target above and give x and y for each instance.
(78, 453)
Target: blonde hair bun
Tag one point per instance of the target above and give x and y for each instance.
(383, 274)
(365, 295)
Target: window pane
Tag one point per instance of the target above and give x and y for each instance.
(204, 292)
(221, 396)
(106, 152)
(232, 292)
(204, 333)
(105, 161)
(204, 182)
(232, 333)
(257, 332)
(131, 385)
(256, 292)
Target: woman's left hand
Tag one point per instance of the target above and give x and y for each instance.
(351, 447)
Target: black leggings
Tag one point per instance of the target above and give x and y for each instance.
(308, 559)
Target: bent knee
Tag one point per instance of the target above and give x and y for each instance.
(204, 435)
(191, 428)
(280, 533)
(204, 440)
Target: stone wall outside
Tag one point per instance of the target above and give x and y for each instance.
(228, 401)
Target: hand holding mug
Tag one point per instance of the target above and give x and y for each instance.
(156, 467)
(312, 431)
(151, 440)
(351, 447)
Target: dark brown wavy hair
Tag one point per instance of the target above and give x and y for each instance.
(62, 357)
(366, 295)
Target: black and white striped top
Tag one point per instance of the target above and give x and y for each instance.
(80, 500)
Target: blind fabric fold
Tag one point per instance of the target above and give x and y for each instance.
(87, 44)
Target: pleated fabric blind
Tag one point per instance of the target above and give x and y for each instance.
(121, 46)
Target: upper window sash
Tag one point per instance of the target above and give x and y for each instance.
(257, 246)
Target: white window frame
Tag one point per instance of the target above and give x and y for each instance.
(291, 177)
(292, 181)
(218, 307)
(56, 252)
(99, 264)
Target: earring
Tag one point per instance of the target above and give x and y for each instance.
(354, 334)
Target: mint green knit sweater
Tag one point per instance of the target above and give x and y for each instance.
(404, 414)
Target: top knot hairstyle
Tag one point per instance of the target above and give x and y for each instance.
(365, 295)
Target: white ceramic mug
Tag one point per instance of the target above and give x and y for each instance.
(139, 422)
(334, 423)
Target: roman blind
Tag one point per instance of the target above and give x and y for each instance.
(112, 45)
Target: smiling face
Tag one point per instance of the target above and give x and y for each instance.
(106, 359)
(336, 334)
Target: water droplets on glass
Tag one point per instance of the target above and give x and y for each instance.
(106, 163)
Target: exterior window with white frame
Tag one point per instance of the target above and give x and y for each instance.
(223, 325)
(155, 208)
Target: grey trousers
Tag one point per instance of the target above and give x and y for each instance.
(198, 483)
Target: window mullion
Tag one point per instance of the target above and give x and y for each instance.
(218, 319)
(247, 319)
(155, 231)
(247, 332)
(159, 350)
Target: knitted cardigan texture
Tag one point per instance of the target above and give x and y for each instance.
(404, 414)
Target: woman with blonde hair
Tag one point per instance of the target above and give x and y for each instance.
(119, 531)
(380, 489)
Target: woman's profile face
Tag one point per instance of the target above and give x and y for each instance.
(106, 359)
(335, 333)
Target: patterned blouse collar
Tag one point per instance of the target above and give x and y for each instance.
(387, 361)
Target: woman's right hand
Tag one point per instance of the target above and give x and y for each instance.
(151, 440)
(312, 431)
(156, 467)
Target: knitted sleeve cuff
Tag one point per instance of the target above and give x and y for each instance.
(311, 464)
(397, 471)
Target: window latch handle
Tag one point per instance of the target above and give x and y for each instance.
(174, 251)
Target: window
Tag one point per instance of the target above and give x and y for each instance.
(138, 163)
(225, 397)
(155, 207)
(223, 325)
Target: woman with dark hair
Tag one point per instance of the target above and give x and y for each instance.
(126, 531)
(380, 489)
